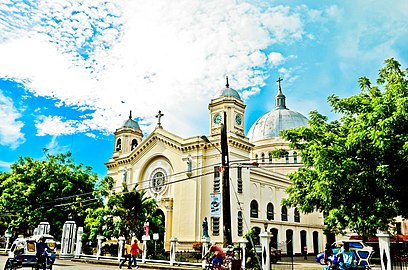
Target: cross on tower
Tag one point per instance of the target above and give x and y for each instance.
(158, 116)
(279, 82)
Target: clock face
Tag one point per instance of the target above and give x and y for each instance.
(217, 118)
(238, 119)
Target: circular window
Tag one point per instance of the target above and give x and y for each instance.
(158, 180)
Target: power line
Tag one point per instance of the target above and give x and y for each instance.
(136, 183)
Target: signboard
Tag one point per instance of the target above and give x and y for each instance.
(155, 236)
(215, 204)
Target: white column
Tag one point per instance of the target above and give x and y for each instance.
(43, 228)
(78, 246)
(205, 242)
(384, 243)
(121, 247)
(242, 244)
(68, 240)
(99, 248)
(7, 235)
(266, 252)
(144, 254)
(173, 242)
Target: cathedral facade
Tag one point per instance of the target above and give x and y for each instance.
(184, 175)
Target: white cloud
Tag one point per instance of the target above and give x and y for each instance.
(276, 58)
(167, 55)
(53, 125)
(10, 128)
(5, 164)
(370, 36)
(54, 148)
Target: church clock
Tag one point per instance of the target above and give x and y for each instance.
(217, 118)
(238, 119)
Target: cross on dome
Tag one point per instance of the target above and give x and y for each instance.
(280, 97)
(279, 83)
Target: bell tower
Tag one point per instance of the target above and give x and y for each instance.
(127, 137)
(227, 100)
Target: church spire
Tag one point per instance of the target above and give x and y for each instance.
(130, 114)
(280, 97)
(227, 85)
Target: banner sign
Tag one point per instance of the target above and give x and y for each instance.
(215, 204)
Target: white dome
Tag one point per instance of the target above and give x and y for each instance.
(272, 123)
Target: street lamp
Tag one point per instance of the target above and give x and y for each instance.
(204, 138)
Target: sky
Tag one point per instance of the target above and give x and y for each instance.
(71, 70)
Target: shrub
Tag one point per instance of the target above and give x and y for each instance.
(197, 246)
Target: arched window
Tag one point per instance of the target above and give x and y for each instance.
(256, 157)
(289, 242)
(269, 211)
(284, 213)
(295, 158)
(134, 144)
(274, 240)
(296, 215)
(217, 183)
(240, 224)
(270, 158)
(118, 145)
(263, 157)
(239, 179)
(254, 209)
(215, 225)
(287, 157)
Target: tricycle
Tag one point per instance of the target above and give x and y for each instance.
(23, 253)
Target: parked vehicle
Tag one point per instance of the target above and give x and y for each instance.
(362, 251)
(276, 254)
(23, 253)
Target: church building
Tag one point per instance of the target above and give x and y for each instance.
(184, 175)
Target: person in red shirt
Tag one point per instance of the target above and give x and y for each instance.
(219, 255)
(134, 251)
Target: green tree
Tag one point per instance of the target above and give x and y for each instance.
(51, 189)
(124, 215)
(356, 167)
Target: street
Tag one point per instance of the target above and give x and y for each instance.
(67, 264)
(285, 264)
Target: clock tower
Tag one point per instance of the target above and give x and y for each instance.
(227, 100)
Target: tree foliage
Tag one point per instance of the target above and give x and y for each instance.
(356, 167)
(51, 189)
(124, 214)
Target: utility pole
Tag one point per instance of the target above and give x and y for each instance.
(226, 201)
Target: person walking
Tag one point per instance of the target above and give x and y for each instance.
(305, 252)
(134, 251)
(128, 247)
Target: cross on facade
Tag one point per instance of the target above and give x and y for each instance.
(158, 116)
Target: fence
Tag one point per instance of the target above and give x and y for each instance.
(399, 256)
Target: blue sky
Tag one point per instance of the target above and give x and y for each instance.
(71, 70)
